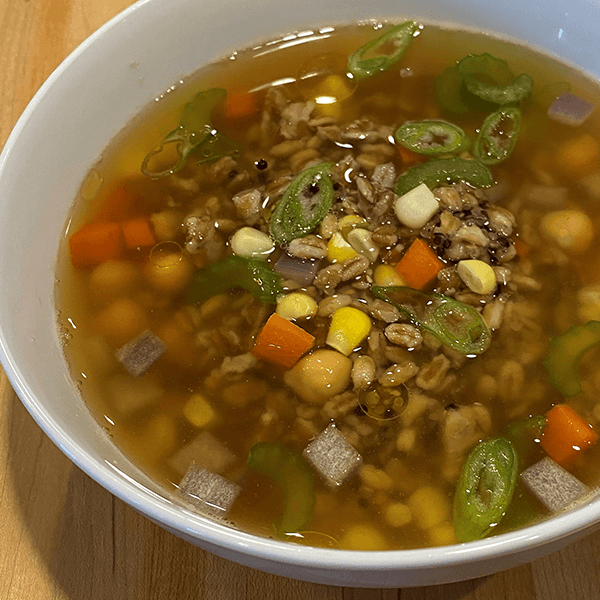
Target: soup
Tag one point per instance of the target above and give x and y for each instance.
(342, 288)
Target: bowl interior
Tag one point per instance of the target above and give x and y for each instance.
(83, 105)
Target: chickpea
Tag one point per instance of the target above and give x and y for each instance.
(572, 230)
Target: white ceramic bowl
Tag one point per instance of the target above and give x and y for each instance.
(73, 117)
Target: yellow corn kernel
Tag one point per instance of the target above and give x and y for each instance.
(198, 411)
(398, 514)
(362, 537)
(386, 275)
(296, 306)
(349, 327)
(338, 249)
(442, 534)
(429, 507)
(375, 478)
(572, 230)
(477, 275)
(349, 222)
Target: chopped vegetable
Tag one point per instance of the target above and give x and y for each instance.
(251, 242)
(338, 249)
(349, 327)
(295, 478)
(332, 456)
(296, 306)
(571, 230)
(477, 275)
(138, 355)
(300, 270)
(565, 353)
(578, 156)
(454, 323)
(361, 240)
(122, 202)
(416, 207)
(138, 233)
(420, 265)
(253, 274)
(194, 129)
(305, 203)
(566, 435)
(432, 137)
(281, 342)
(570, 109)
(525, 435)
(198, 411)
(217, 145)
(552, 485)
(210, 493)
(96, 243)
(386, 276)
(498, 136)
(485, 489)
(239, 105)
(429, 507)
(451, 93)
(443, 172)
(371, 58)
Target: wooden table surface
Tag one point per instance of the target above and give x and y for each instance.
(64, 537)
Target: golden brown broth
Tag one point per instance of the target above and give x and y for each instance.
(150, 436)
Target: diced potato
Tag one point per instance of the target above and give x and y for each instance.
(296, 306)
(429, 507)
(198, 411)
(361, 241)
(121, 321)
(386, 275)
(572, 230)
(349, 327)
(477, 275)
(338, 249)
(113, 279)
(415, 208)
(319, 376)
(363, 537)
(251, 242)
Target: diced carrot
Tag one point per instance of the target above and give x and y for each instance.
(239, 105)
(138, 233)
(408, 157)
(521, 248)
(566, 435)
(96, 243)
(420, 265)
(120, 203)
(281, 342)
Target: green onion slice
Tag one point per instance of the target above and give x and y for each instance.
(194, 130)
(432, 137)
(443, 172)
(523, 435)
(454, 323)
(498, 136)
(293, 475)
(252, 274)
(485, 489)
(565, 354)
(304, 204)
(383, 52)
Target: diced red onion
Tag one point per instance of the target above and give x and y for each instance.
(570, 109)
(552, 485)
(300, 270)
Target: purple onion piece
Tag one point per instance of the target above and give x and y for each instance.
(300, 270)
(570, 109)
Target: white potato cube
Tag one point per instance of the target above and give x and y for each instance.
(415, 208)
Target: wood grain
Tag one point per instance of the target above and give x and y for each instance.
(63, 537)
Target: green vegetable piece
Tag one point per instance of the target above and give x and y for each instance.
(485, 489)
(432, 137)
(491, 79)
(523, 434)
(565, 354)
(194, 130)
(292, 474)
(443, 172)
(305, 203)
(374, 57)
(217, 145)
(498, 136)
(451, 93)
(252, 274)
(454, 323)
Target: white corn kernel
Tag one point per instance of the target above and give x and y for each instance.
(360, 240)
(251, 242)
(477, 275)
(296, 306)
(416, 207)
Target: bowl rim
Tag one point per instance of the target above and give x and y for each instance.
(161, 510)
